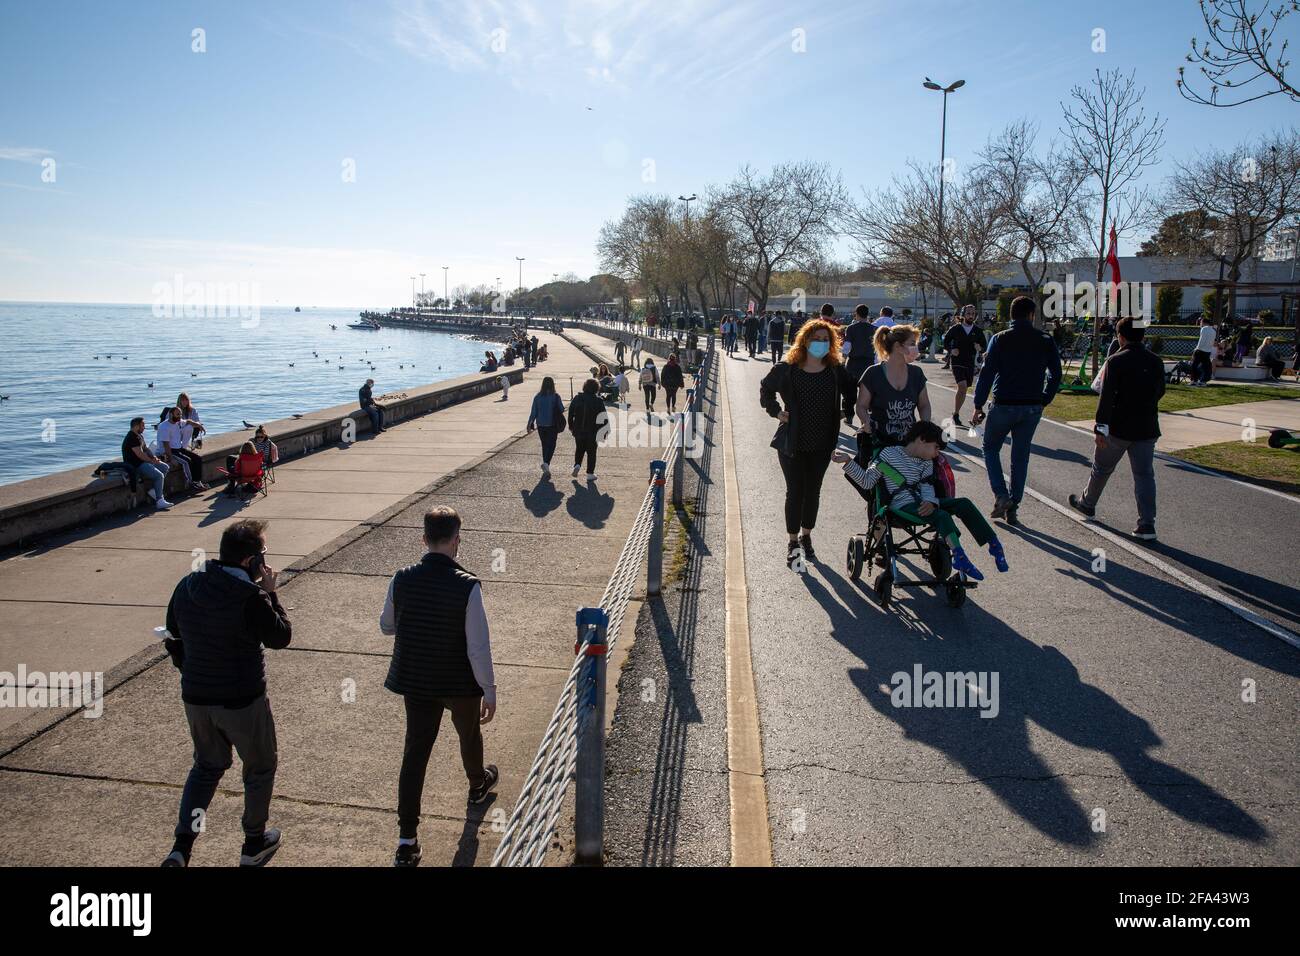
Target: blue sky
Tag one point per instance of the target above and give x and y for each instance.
(469, 126)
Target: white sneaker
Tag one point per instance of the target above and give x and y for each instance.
(591, 477)
(162, 504)
(576, 469)
(546, 469)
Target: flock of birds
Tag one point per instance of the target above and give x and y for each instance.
(364, 361)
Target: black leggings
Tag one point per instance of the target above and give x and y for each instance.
(804, 472)
(650, 391)
(548, 434)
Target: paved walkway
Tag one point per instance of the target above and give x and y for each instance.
(1219, 423)
(106, 790)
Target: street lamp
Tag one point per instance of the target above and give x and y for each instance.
(929, 84)
(520, 290)
(413, 292)
(421, 288)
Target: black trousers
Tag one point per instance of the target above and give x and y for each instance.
(1202, 366)
(585, 445)
(803, 472)
(423, 718)
(548, 434)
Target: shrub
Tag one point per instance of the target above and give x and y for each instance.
(1169, 302)
(1207, 305)
(1156, 343)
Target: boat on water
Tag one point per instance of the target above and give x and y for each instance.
(365, 325)
(297, 308)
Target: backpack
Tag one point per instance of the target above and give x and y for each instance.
(647, 376)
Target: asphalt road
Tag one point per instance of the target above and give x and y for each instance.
(1233, 536)
(1121, 735)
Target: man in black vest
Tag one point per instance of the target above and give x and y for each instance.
(219, 619)
(859, 335)
(442, 660)
(1128, 423)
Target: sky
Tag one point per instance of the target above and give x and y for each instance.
(320, 153)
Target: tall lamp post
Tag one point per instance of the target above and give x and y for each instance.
(929, 84)
(421, 289)
(686, 215)
(446, 302)
(413, 292)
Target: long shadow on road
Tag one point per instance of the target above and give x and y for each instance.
(1036, 684)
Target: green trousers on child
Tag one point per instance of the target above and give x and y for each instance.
(941, 519)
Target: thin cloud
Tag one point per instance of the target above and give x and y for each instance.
(25, 154)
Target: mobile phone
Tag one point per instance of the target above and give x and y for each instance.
(255, 566)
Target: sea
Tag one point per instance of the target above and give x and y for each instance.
(74, 375)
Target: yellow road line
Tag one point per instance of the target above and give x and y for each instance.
(751, 839)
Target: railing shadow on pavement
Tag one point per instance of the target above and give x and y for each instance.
(1047, 692)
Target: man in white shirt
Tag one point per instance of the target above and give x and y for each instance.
(885, 319)
(439, 663)
(172, 449)
(1203, 356)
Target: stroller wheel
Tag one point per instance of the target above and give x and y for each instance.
(884, 588)
(940, 559)
(857, 553)
(956, 592)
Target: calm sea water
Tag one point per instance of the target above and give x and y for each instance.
(66, 408)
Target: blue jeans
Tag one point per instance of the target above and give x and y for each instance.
(148, 471)
(376, 417)
(1020, 422)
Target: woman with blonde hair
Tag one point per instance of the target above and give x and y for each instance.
(815, 392)
(892, 392)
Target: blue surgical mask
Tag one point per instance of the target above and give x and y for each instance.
(819, 349)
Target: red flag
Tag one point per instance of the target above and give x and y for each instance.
(1113, 258)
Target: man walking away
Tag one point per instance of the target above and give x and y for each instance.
(1203, 355)
(1022, 370)
(219, 619)
(751, 333)
(857, 342)
(587, 416)
(372, 408)
(1128, 422)
(776, 336)
(886, 318)
(442, 660)
(963, 343)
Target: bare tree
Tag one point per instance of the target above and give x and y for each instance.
(779, 221)
(1039, 199)
(1250, 189)
(1108, 131)
(898, 234)
(1242, 48)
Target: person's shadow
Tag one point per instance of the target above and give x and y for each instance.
(543, 498)
(589, 505)
(1035, 684)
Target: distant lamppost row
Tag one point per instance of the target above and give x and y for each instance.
(929, 84)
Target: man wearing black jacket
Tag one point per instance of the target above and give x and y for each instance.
(1022, 370)
(219, 619)
(1128, 422)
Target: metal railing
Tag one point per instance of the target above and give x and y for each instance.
(573, 745)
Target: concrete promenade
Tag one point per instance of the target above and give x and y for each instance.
(104, 791)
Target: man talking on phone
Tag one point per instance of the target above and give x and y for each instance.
(219, 619)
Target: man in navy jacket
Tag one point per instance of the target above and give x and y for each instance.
(1022, 370)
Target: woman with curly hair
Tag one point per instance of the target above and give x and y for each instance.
(816, 393)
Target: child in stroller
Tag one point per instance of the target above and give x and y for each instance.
(908, 475)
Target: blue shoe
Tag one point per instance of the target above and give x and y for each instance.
(962, 563)
(999, 556)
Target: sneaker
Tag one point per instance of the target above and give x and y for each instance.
(408, 854)
(1145, 532)
(999, 556)
(591, 476)
(962, 563)
(576, 469)
(546, 469)
(805, 541)
(480, 793)
(200, 486)
(162, 504)
(1000, 507)
(153, 495)
(260, 851)
(176, 858)
(956, 420)
(1077, 504)
(792, 552)
(1013, 516)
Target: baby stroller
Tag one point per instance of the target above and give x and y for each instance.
(879, 549)
(248, 477)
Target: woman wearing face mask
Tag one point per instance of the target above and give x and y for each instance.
(816, 393)
(892, 391)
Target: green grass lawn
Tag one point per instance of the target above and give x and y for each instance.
(1277, 468)
(1073, 408)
